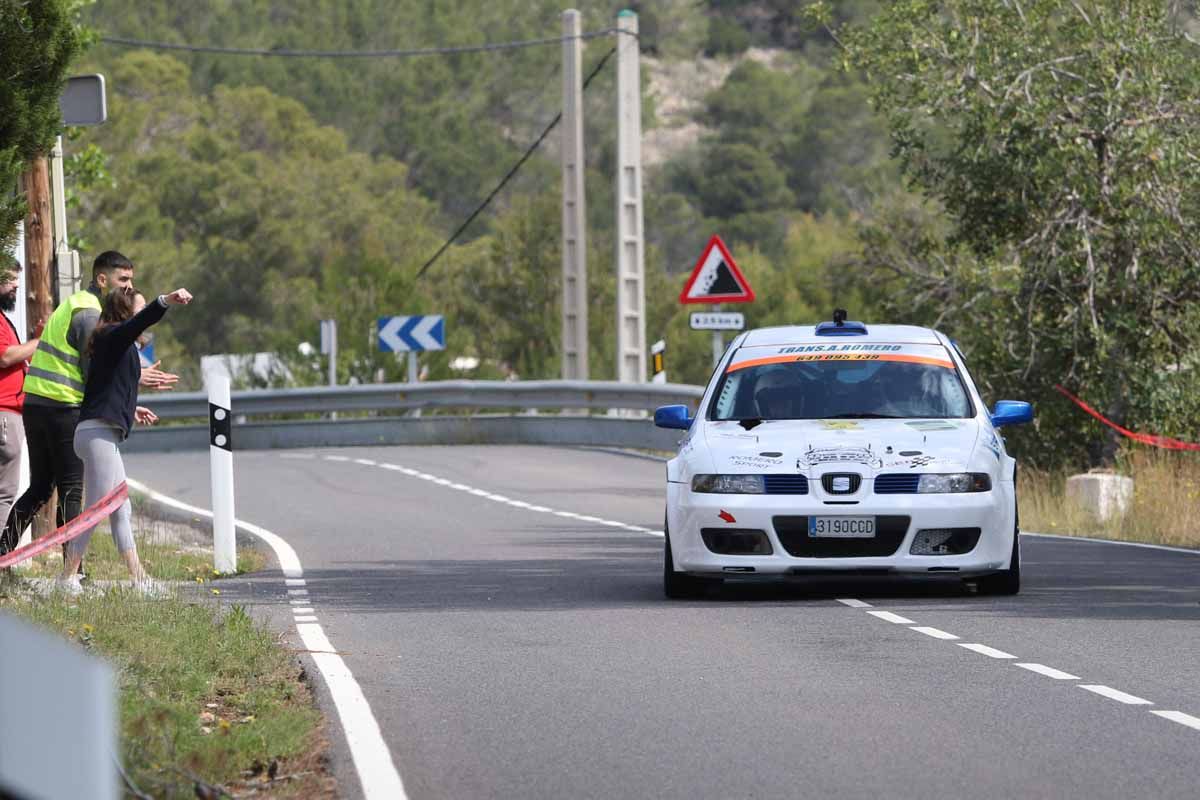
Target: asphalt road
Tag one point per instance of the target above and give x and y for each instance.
(508, 629)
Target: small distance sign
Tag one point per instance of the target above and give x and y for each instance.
(718, 321)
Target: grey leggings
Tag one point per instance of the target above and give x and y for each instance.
(103, 470)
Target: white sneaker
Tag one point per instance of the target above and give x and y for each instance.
(69, 586)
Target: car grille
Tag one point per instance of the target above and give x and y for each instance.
(854, 478)
(793, 535)
(785, 484)
(897, 483)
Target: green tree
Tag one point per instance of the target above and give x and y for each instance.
(1061, 139)
(38, 42)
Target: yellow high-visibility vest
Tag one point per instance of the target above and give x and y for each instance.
(54, 372)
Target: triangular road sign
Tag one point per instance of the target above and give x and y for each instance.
(716, 278)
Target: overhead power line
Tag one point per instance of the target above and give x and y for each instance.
(398, 53)
(515, 168)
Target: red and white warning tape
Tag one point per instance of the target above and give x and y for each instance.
(1165, 442)
(91, 516)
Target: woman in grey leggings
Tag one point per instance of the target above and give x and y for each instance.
(108, 413)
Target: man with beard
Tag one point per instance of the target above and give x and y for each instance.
(53, 394)
(13, 358)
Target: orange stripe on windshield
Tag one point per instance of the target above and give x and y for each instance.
(794, 357)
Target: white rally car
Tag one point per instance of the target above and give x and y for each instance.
(841, 448)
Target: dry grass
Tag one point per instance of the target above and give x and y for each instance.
(1166, 501)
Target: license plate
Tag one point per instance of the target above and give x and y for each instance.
(841, 527)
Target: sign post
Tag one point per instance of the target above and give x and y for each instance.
(716, 279)
(329, 347)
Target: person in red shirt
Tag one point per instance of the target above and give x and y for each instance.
(13, 363)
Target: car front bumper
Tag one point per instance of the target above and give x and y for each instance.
(688, 513)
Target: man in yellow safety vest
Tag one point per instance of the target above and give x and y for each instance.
(54, 392)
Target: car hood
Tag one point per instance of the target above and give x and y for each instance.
(809, 446)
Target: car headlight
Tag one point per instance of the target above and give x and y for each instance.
(728, 484)
(954, 483)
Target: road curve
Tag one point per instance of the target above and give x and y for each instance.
(501, 608)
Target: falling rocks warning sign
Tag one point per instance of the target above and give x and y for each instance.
(716, 278)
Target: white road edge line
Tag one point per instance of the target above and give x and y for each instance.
(850, 601)
(983, 649)
(1143, 545)
(1180, 717)
(936, 633)
(888, 616)
(1049, 672)
(373, 762)
(1116, 694)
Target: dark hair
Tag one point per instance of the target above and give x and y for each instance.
(109, 262)
(118, 307)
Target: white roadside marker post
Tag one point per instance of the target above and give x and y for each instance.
(220, 430)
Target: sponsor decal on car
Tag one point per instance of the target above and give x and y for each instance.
(925, 425)
(755, 462)
(839, 455)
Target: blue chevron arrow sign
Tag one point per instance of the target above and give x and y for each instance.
(412, 334)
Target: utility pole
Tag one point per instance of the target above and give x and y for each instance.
(39, 243)
(631, 283)
(574, 219)
(39, 250)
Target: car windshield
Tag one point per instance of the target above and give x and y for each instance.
(870, 381)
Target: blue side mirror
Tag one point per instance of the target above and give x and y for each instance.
(1011, 412)
(672, 417)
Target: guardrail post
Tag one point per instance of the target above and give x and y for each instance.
(220, 428)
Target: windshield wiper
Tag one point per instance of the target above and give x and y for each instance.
(863, 416)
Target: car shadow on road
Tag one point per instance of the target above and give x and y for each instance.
(602, 569)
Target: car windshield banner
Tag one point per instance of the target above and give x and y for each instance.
(931, 354)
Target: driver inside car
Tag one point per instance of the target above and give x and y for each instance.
(777, 394)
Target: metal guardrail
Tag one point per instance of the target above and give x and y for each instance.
(434, 394)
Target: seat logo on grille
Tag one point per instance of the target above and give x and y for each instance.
(841, 482)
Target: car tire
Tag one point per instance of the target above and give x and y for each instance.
(1005, 582)
(678, 585)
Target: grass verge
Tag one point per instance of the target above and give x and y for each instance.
(206, 695)
(1166, 501)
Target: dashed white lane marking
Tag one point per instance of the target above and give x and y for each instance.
(306, 619)
(1049, 672)
(850, 601)
(294, 581)
(1180, 717)
(305, 601)
(377, 772)
(934, 632)
(890, 617)
(302, 611)
(298, 592)
(495, 498)
(1116, 694)
(983, 649)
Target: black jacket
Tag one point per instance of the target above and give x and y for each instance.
(112, 380)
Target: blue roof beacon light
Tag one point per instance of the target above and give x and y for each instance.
(840, 326)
